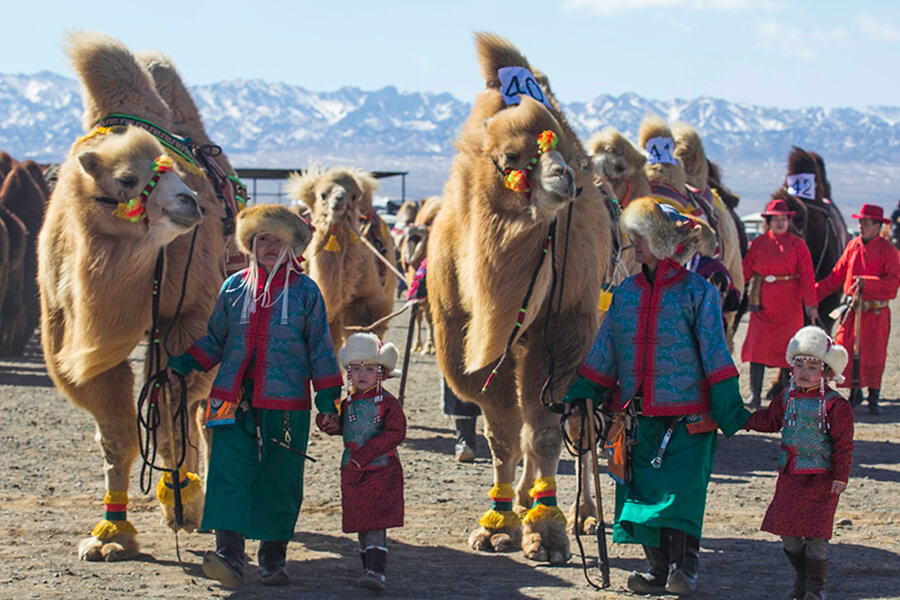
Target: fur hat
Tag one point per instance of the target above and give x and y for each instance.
(814, 342)
(275, 220)
(669, 234)
(367, 348)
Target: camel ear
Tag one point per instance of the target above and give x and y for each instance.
(90, 163)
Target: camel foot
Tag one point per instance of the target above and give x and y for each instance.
(544, 536)
(418, 348)
(191, 498)
(429, 348)
(488, 540)
(192, 514)
(587, 520)
(120, 548)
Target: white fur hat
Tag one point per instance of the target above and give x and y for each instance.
(366, 347)
(813, 341)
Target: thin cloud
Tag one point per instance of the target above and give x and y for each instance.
(424, 62)
(796, 42)
(871, 26)
(609, 7)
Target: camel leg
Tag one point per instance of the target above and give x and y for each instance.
(584, 503)
(417, 323)
(429, 347)
(108, 397)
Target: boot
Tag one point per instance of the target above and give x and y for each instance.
(798, 561)
(684, 556)
(226, 564)
(271, 558)
(874, 409)
(376, 564)
(757, 372)
(815, 579)
(362, 557)
(855, 397)
(653, 581)
(465, 439)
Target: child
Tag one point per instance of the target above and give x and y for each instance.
(268, 334)
(373, 425)
(816, 426)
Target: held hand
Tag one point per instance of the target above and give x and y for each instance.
(328, 423)
(575, 408)
(837, 487)
(170, 373)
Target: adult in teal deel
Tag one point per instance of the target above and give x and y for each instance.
(661, 352)
(268, 334)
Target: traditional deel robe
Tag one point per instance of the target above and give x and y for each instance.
(664, 339)
(269, 363)
(373, 425)
(816, 450)
(878, 263)
(781, 301)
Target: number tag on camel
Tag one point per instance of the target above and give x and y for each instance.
(515, 81)
(802, 185)
(659, 150)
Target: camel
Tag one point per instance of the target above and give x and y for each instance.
(345, 270)
(485, 256)
(413, 246)
(38, 177)
(96, 256)
(12, 306)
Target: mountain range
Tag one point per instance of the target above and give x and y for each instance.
(266, 124)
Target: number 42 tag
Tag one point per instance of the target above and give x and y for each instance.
(516, 81)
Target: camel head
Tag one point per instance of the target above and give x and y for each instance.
(414, 244)
(617, 162)
(330, 195)
(689, 150)
(116, 167)
(662, 167)
(804, 175)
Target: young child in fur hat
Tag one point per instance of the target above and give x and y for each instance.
(816, 425)
(373, 425)
(268, 334)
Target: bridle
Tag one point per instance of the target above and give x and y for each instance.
(135, 210)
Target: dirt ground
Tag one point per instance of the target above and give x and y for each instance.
(52, 488)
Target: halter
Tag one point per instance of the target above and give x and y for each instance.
(135, 210)
(517, 179)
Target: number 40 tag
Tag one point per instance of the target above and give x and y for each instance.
(515, 81)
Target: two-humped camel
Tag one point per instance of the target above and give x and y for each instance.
(485, 244)
(96, 276)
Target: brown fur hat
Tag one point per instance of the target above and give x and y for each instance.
(275, 220)
(668, 233)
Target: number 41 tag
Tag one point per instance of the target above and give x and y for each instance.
(515, 81)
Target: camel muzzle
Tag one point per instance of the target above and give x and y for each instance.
(184, 212)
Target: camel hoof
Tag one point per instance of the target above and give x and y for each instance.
(192, 514)
(502, 542)
(544, 536)
(487, 540)
(92, 549)
(429, 348)
(418, 348)
(480, 540)
(588, 526)
(534, 549)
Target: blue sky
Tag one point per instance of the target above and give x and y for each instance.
(766, 52)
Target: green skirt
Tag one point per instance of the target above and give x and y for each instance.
(672, 496)
(258, 499)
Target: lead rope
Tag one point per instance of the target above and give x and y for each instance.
(547, 388)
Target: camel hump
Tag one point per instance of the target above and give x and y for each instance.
(22, 196)
(653, 126)
(494, 52)
(174, 93)
(300, 187)
(689, 150)
(112, 79)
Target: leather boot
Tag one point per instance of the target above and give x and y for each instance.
(226, 564)
(653, 581)
(815, 579)
(798, 561)
(757, 371)
(684, 556)
(271, 558)
(855, 397)
(376, 566)
(874, 409)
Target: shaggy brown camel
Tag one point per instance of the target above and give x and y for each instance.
(96, 277)
(12, 313)
(484, 246)
(38, 177)
(413, 246)
(345, 270)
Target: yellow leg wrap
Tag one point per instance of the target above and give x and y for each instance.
(105, 530)
(501, 518)
(544, 487)
(166, 495)
(542, 484)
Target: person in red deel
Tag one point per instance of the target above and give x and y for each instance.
(871, 263)
(782, 287)
(373, 425)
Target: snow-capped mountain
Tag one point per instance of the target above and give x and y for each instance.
(281, 125)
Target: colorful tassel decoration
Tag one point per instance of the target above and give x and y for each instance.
(517, 181)
(501, 515)
(547, 140)
(189, 483)
(544, 508)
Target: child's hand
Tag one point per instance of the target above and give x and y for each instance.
(837, 487)
(328, 423)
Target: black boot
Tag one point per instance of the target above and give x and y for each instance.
(855, 397)
(798, 561)
(757, 372)
(376, 566)
(362, 557)
(684, 556)
(815, 579)
(272, 557)
(226, 564)
(874, 409)
(465, 439)
(653, 581)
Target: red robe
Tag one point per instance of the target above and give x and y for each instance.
(803, 505)
(782, 302)
(878, 262)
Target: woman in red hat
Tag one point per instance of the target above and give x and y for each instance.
(872, 262)
(782, 287)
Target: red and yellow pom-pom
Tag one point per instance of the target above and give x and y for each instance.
(133, 210)
(516, 181)
(163, 163)
(547, 140)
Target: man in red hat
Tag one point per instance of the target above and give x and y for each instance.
(872, 264)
